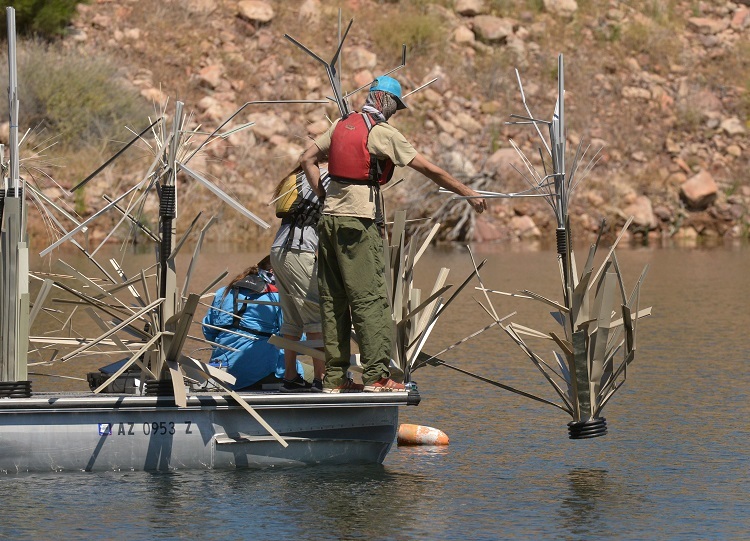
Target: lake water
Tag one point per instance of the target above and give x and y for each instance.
(674, 465)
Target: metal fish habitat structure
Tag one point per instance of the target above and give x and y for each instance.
(597, 317)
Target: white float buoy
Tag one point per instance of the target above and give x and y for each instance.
(421, 435)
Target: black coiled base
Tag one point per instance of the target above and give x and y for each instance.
(562, 241)
(15, 389)
(168, 202)
(593, 428)
(159, 387)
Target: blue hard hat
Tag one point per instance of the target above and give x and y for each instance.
(390, 85)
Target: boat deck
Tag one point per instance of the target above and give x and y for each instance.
(256, 399)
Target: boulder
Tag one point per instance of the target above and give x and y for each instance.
(360, 58)
(500, 164)
(563, 8)
(241, 139)
(459, 164)
(101, 22)
(686, 234)
(77, 34)
(442, 123)
(200, 7)
(734, 151)
(705, 101)
(446, 141)
(470, 8)
(214, 109)
(707, 26)
(267, 126)
(642, 212)
(486, 230)
(663, 213)
(524, 227)
(636, 93)
(309, 11)
(255, 11)
(740, 19)
(699, 191)
(133, 34)
(733, 126)
(463, 35)
(492, 29)
(210, 76)
(467, 123)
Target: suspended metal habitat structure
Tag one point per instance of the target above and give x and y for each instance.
(596, 317)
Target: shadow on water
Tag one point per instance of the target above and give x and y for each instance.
(324, 502)
(347, 502)
(581, 509)
(593, 502)
(360, 502)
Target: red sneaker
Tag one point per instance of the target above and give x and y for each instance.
(384, 385)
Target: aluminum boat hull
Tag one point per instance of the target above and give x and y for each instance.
(72, 432)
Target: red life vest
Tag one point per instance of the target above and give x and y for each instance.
(348, 157)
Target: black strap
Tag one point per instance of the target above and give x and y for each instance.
(240, 311)
(343, 180)
(375, 168)
(306, 214)
(238, 327)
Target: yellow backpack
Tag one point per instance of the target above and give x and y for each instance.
(289, 194)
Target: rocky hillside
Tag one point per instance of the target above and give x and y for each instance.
(663, 88)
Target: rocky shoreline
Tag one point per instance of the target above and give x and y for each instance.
(668, 112)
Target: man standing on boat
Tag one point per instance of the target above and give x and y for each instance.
(362, 150)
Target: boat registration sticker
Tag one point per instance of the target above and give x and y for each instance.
(161, 428)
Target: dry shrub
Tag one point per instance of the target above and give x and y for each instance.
(79, 99)
(654, 36)
(77, 109)
(421, 32)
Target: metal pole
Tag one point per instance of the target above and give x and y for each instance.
(3, 292)
(561, 137)
(12, 98)
(14, 329)
(167, 215)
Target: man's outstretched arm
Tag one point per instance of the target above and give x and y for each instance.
(445, 180)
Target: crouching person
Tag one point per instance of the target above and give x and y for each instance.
(246, 327)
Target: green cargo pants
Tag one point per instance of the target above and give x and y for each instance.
(351, 280)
